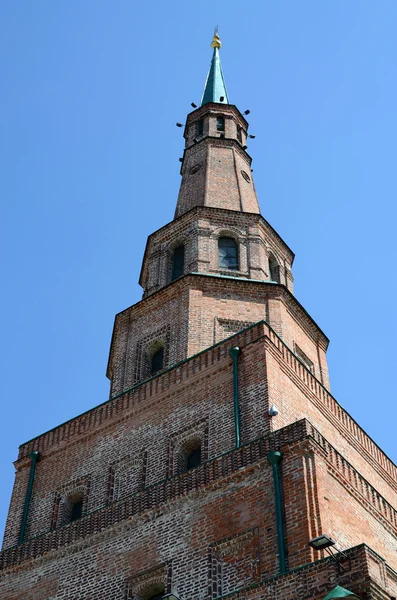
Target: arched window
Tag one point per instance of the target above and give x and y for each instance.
(220, 123)
(178, 262)
(157, 362)
(274, 270)
(193, 459)
(227, 254)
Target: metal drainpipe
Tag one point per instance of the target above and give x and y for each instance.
(34, 456)
(274, 459)
(235, 353)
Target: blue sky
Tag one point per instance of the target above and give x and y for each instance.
(89, 155)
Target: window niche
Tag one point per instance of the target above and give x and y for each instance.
(220, 124)
(227, 254)
(150, 585)
(200, 127)
(178, 262)
(274, 269)
(188, 455)
(73, 506)
(70, 502)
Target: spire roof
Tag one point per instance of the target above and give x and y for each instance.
(215, 87)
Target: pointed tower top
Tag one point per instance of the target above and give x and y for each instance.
(215, 88)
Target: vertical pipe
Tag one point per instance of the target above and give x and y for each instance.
(274, 459)
(34, 457)
(235, 353)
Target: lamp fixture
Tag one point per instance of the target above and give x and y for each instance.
(179, 124)
(181, 160)
(194, 105)
(324, 542)
(247, 112)
(321, 542)
(252, 137)
(245, 147)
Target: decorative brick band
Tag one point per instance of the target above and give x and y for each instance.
(119, 405)
(342, 418)
(207, 473)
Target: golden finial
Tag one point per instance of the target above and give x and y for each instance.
(216, 40)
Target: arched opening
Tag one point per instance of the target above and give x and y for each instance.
(227, 254)
(274, 269)
(178, 262)
(73, 507)
(188, 455)
(193, 458)
(157, 361)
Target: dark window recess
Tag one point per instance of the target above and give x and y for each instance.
(220, 124)
(178, 262)
(239, 135)
(76, 510)
(157, 361)
(200, 127)
(193, 459)
(274, 269)
(157, 596)
(227, 254)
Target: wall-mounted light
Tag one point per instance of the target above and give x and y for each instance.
(245, 147)
(324, 542)
(179, 124)
(247, 112)
(194, 105)
(252, 137)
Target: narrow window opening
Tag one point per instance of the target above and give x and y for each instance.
(157, 362)
(193, 459)
(239, 135)
(200, 127)
(220, 124)
(178, 262)
(157, 596)
(227, 254)
(274, 269)
(76, 510)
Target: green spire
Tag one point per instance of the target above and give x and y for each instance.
(215, 87)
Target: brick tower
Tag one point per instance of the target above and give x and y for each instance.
(220, 453)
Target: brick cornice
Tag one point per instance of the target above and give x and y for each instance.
(210, 473)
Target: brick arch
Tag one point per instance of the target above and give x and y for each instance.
(184, 448)
(229, 231)
(239, 236)
(145, 585)
(274, 266)
(169, 254)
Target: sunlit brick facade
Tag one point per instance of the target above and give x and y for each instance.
(220, 453)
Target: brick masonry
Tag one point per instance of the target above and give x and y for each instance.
(149, 525)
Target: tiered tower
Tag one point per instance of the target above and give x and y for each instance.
(220, 453)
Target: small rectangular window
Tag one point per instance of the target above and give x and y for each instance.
(304, 358)
(220, 124)
(200, 127)
(239, 135)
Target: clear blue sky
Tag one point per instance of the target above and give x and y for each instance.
(91, 91)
